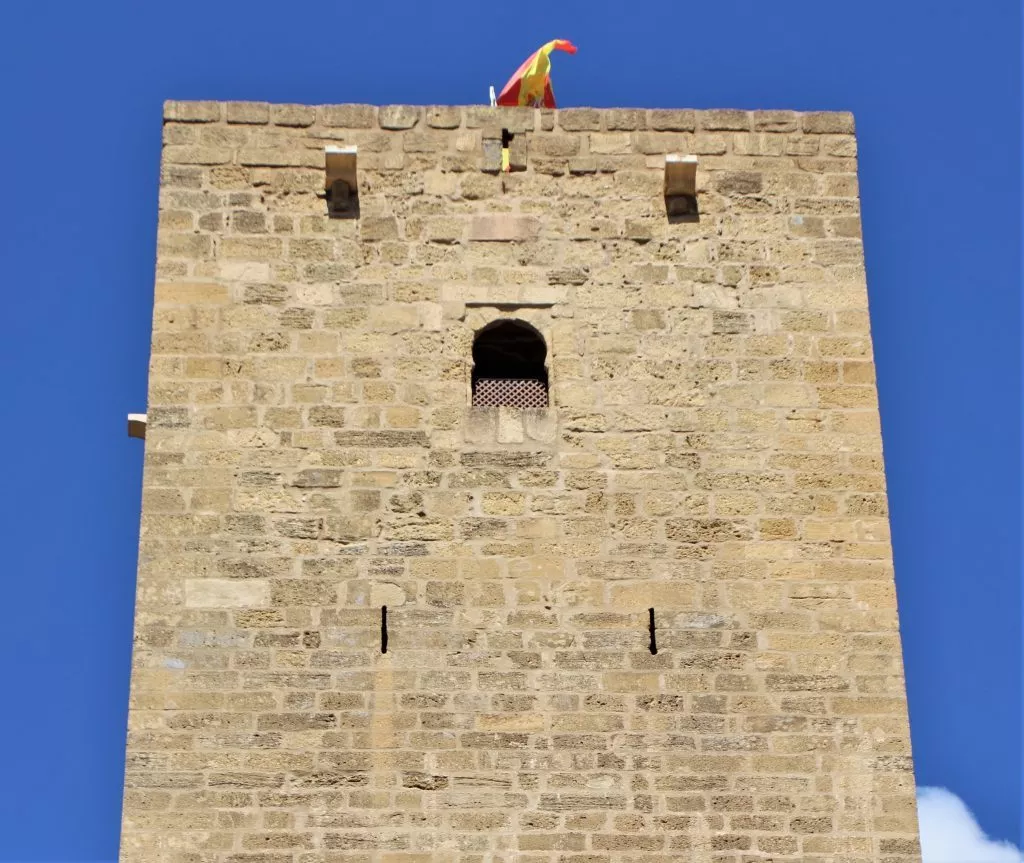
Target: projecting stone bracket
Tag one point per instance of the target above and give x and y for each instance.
(680, 185)
(341, 183)
(137, 426)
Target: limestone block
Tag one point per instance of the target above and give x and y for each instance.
(226, 593)
(398, 116)
(481, 425)
(347, 116)
(385, 593)
(257, 113)
(292, 115)
(540, 424)
(503, 227)
(510, 425)
(443, 117)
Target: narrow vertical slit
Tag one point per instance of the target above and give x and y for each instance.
(506, 139)
(654, 639)
(383, 629)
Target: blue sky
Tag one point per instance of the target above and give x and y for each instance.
(936, 88)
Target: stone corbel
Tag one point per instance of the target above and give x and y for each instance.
(341, 182)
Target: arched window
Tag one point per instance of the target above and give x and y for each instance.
(508, 366)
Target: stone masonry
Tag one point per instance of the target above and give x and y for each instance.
(711, 452)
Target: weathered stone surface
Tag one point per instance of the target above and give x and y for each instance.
(503, 227)
(725, 120)
(624, 118)
(318, 478)
(492, 155)
(347, 116)
(513, 120)
(292, 115)
(710, 451)
(225, 593)
(579, 119)
(375, 228)
(190, 292)
(380, 438)
(672, 121)
(775, 121)
(398, 116)
(193, 112)
(828, 122)
(257, 113)
(443, 117)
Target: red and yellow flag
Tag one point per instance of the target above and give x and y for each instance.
(531, 84)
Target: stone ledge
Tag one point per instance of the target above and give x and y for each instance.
(506, 425)
(516, 120)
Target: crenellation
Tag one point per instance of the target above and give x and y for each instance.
(710, 450)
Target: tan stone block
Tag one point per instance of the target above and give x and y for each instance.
(443, 117)
(502, 503)
(190, 292)
(672, 120)
(510, 722)
(555, 145)
(668, 595)
(724, 120)
(226, 593)
(610, 143)
(192, 112)
(292, 115)
(248, 112)
(579, 119)
(510, 425)
(347, 116)
(503, 227)
(398, 116)
(828, 122)
(775, 121)
(385, 593)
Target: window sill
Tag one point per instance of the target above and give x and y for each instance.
(505, 425)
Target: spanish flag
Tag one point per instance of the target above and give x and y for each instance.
(531, 85)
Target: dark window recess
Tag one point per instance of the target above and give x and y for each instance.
(506, 140)
(508, 366)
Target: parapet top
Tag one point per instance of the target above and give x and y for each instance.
(512, 119)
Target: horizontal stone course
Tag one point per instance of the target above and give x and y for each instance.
(515, 120)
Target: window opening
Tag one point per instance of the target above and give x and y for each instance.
(654, 637)
(383, 629)
(508, 366)
(506, 140)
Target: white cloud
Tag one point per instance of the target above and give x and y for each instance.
(949, 833)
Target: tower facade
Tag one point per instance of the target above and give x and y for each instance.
(530, 515)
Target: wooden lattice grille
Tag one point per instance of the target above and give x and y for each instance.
(515, 393)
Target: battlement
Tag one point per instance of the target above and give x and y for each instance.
(573, 141)
(448, 117)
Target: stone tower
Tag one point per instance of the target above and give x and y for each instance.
(513, 517)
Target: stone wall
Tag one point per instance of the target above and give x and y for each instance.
(711, 452)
